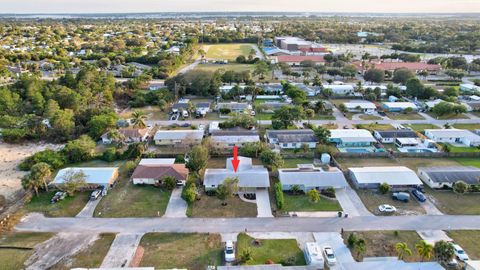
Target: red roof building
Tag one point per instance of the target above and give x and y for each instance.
(154, 173)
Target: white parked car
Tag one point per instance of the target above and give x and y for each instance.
(386, 208)
(329, 255)
(229, 251)
(460, 253)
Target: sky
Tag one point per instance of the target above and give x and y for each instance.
(126, 6)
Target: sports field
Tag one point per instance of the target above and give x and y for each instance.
(227, 51)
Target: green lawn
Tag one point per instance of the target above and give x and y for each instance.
(372, 199)
(69, 207)
(382, 243)
(13, 258)
(455, 204)
(467, 126)
(404, 116)
(448, 116)
(458, 149)
(374, 126)
(211, 207)
(182, 251)
(228, 51)
(91, 257)
(369, 117)
(468, 161)
(469, 241)
(421, 127)
(299, 203)
(280, 251)
(234, 67)
(293, 162)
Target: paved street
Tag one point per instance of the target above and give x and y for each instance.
(39, 223)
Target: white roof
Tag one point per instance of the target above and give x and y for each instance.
(452, 133)
(248, 175)
(315, 253)
(402, 105)
(361, 104)
(407, 140)
(93, 175)
(392, 175)
(156, 161)
(310, 176)
(350, 135)
(178, 134)
(235, 138)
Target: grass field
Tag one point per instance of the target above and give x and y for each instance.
(68, 207)
(421, 127)
(382, 243)
(228, 51)
(455, 204)
(374, 126)
(412, 163)
(468, 161)
(299, 203)
(369, 117)
(467, 126)
(181, 251)
(292, 162)
(13, 258)
(235, 67)
(372, 200)
(448, 116)
(469, 241)
(458, 149)
(211, 206)
(280, 251)
(404, 116)
(91, 257)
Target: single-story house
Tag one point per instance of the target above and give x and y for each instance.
(351, 137)
(233, 106)
(187, 137)
(453, 136)
(153, 171)
(372, 177)
(202, 108)
(389, 136)
(292, 139)
(308, 177)
(228, 88)
(296, 60)
(250, 176)
(227, 139)
(360, 106)
(432, 103)
(95, 176)
(181, 105)
(340, 89)
(440, 177)
(399, 106)
(131, 135)
(469, 87)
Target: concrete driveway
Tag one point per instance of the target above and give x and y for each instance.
(335, 241)
(263, 203)
(351, 203)
(430, 207)
(89, 208)
(432, 236)
(177, 207)
(122, 250)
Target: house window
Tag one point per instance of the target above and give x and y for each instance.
(285, 144)
(213, 185)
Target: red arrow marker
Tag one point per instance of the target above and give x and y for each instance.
(235, 160)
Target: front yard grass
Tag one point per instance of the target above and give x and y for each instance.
(448, 116)
(128, 200)
(469, 241)
(382, 243)
(467, 126)
(68, 207)
(475, 162)
(182, 251)
(92, 256)
(404, 116)
(280, 251)
(373, 126)
(211, 207)
(293, 162)
(369, 117)
(421, 127)
(455, 204)
(301, 203)
(372, 199)
(17, 247)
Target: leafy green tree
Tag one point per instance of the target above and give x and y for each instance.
(402, 75)
(460, 187)
(287, 115)
(198, 158)
(99, 124)
(189, 192)
(81, 149)
(424, 250)
(443, 251)
(73, 181)
(374, 75)
(169, 182)
(384, 188)
(227, 189)
(279, 198)
(271, 159)
(402, 250)
(322, 134)
(63, 123)
(313, 195)
(42, 173)
(261, 68)
(360, 247)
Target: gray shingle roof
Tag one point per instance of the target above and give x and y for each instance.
(467, 174)
(312, 178)
(397, 133)
(286, 136)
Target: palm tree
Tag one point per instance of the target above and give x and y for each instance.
(424, 250)
(402, 250)
(360, 247)
(138, 119)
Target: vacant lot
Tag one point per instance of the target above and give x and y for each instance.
(382, 243)
(292, 162)
(211, 207)
(404, 116)
(412, 163)
(152, 112)
(374, 126)
(228, 51)
(448, 116)
(187, 251)
(282, 251)
(468, 161)
(17, 248)
(235, 67)
(68, 207)
(455, 204)
(469, 241)
(421, 127)
(91, 257)
(373, 199)
(467, 126)
(299, 203)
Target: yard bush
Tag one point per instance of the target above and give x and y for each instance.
(169, 182)
(128, 167)
(189, 192)
(55, 159)
(384, 188)
(352, 239)
(329, 192)
(279, 199)
(14, 135)
(109, 155)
